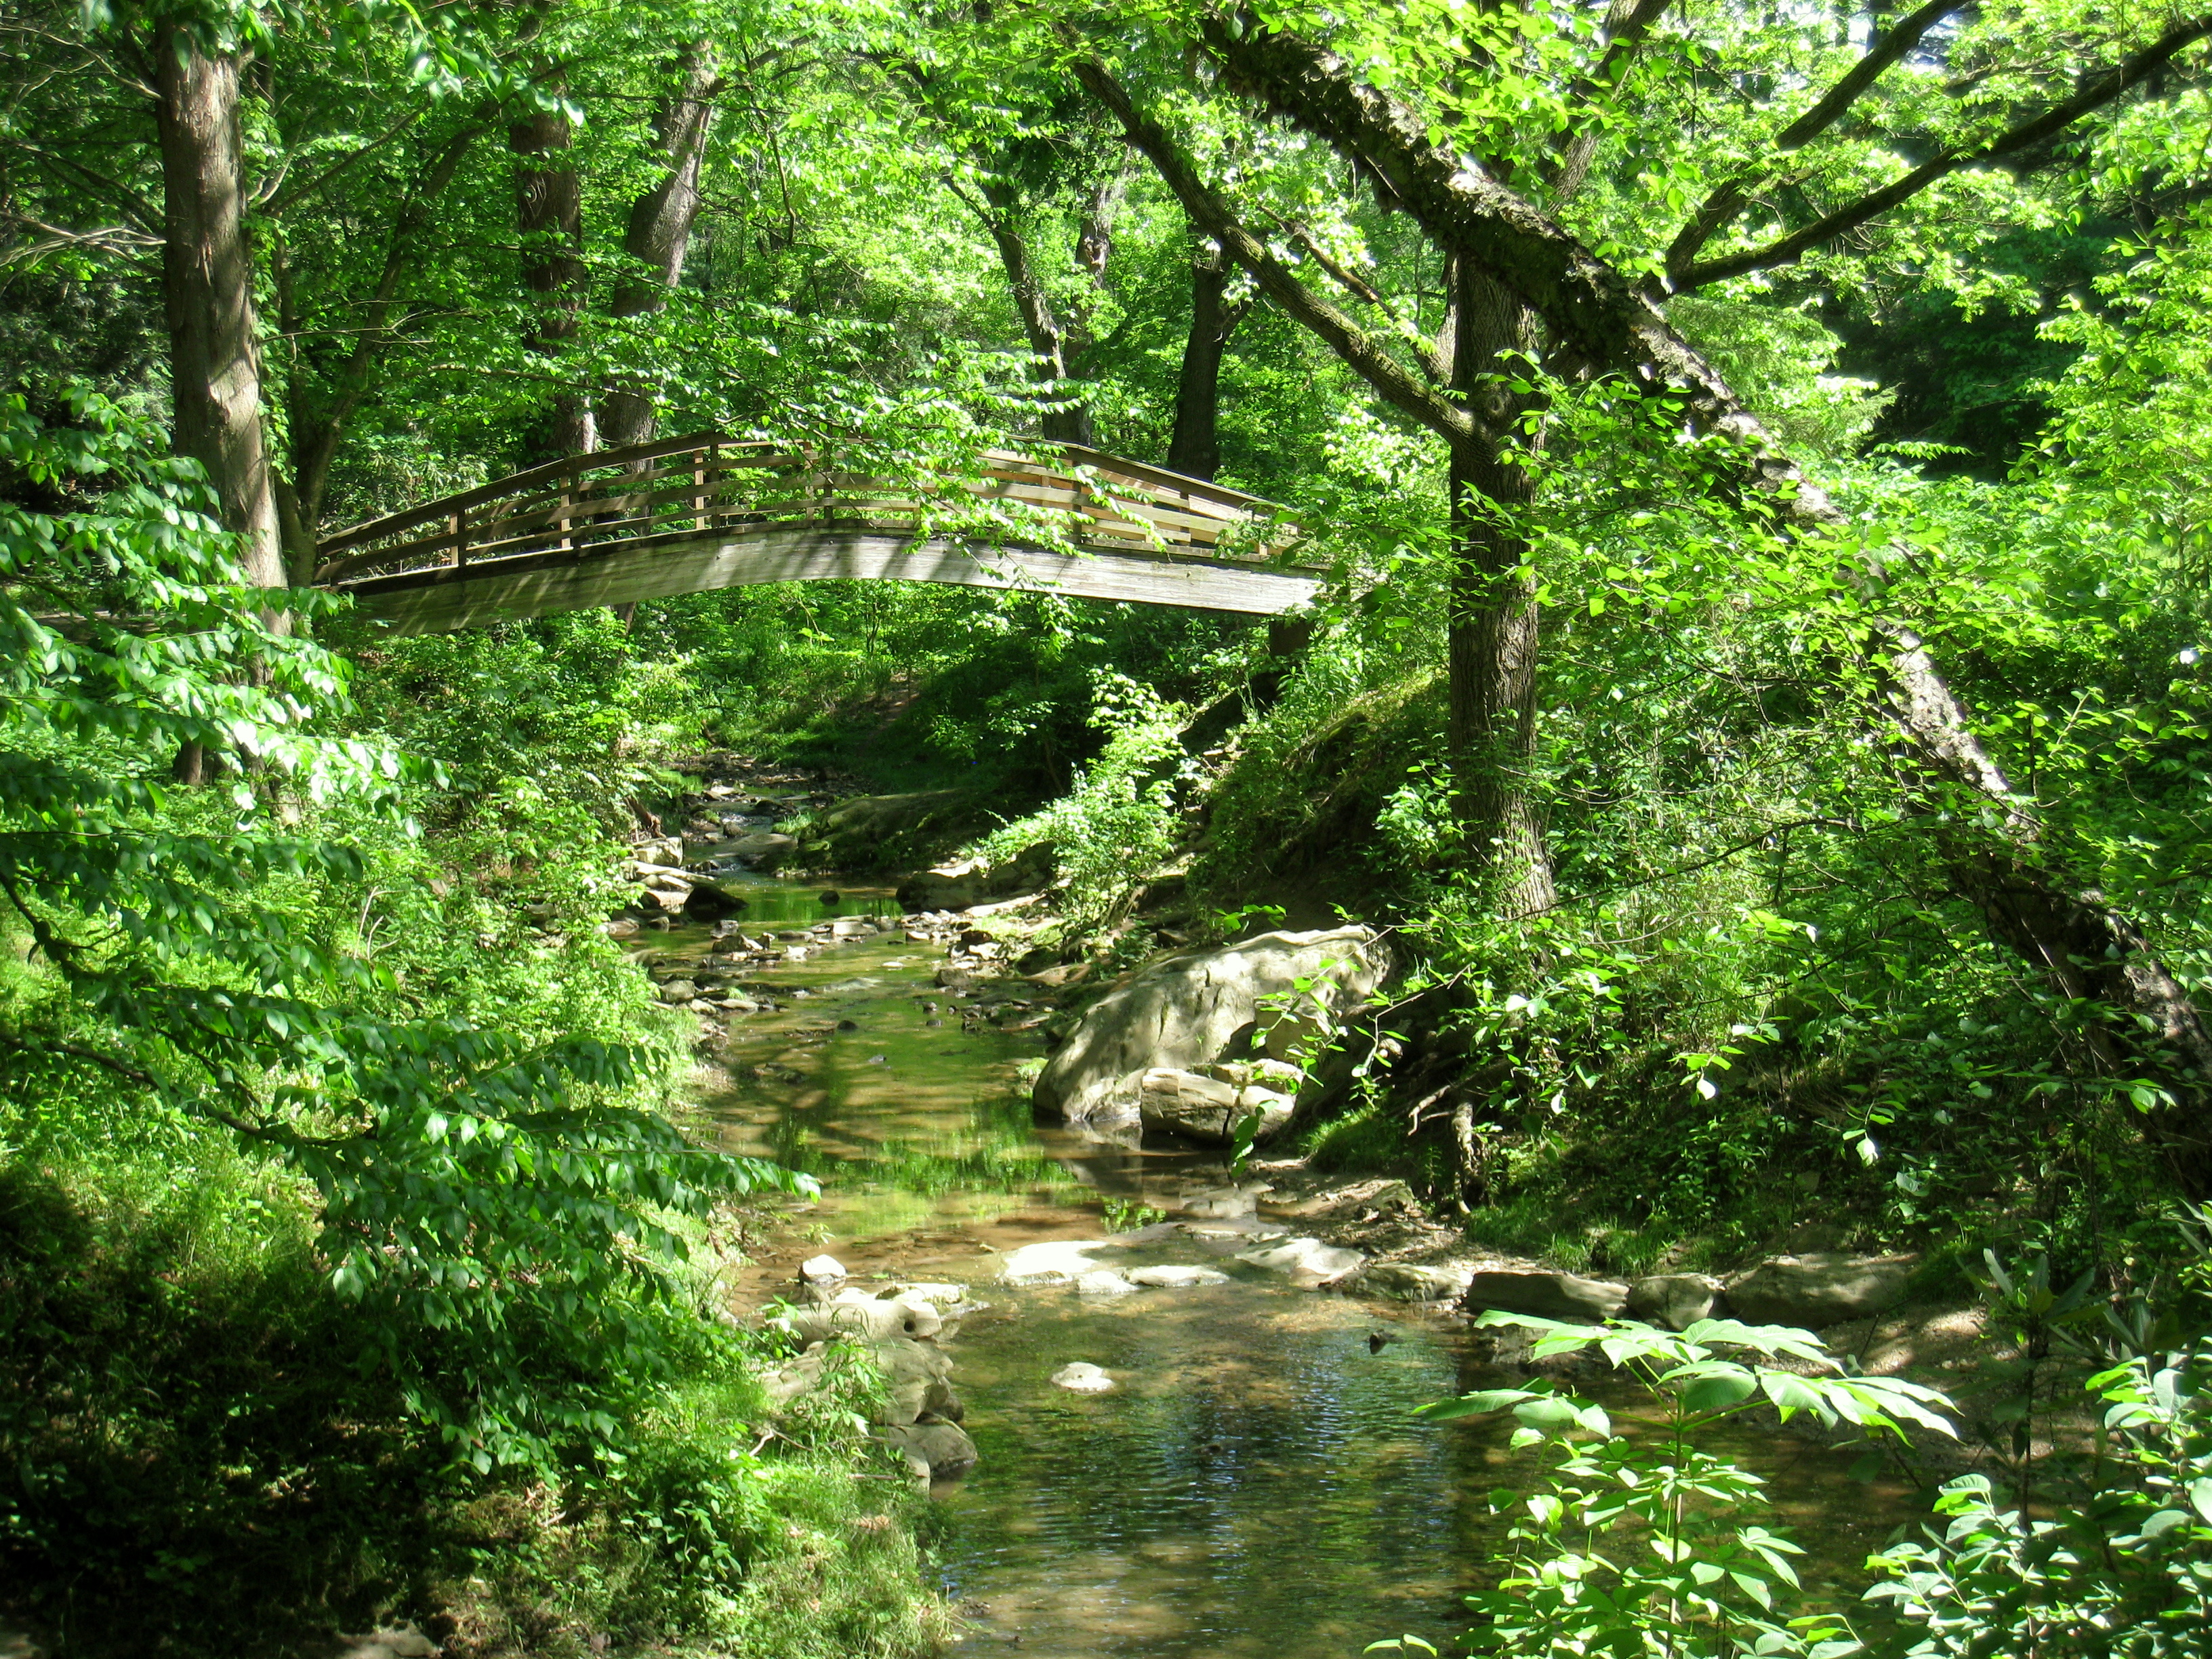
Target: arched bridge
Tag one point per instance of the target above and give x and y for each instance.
(684, 515)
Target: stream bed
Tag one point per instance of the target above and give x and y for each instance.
(1256, 1483)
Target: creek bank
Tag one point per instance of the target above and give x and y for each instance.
(895, 1332)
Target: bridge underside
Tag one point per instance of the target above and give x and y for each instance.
(441, 599)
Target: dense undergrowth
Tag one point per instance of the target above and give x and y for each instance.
(352, 1264)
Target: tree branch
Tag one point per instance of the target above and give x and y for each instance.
(2095, 95)
(1392, 379)
(1424, 351)
(1626, 26)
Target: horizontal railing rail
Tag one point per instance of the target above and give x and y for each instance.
(705, 485)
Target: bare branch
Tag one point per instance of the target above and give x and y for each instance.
(111, 238)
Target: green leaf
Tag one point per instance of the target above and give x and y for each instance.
(1478, 1404)
(1720, 1391)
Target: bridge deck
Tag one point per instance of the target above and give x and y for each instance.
(686, 514)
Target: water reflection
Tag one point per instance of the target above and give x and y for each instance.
(1257, 1484)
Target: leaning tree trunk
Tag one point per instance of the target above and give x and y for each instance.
(1998, 851)
(659, 232)
(207, 282)
(1195, 448)
(549, 212)
(1492, 619)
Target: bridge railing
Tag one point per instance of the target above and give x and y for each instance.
(682, 489)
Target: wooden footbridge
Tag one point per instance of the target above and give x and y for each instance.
(684, 515)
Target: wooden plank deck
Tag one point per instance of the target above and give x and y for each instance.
(685, 515)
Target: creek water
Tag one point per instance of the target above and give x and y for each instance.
(1257, 1483)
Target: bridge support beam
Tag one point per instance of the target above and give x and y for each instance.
(440, 600)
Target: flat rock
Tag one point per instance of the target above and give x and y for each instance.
(1307, 1257)
(1823, 1289)
(1677, 1301)
(1083, 1377)
(1054, 1261)
(822, 1270)
(1218, 1203)
(1545, 1295)
(1102, 1282)
(401, 1642)
(1411, 1281)
(1175, 1277)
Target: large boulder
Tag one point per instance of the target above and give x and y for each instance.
(1206, 1108)
(1566, 1297)
(1827, 1288)
(885, 832)
(765, 848)
(871, 1319)
(917, 1380)
(1182, 1012)
(967, 882)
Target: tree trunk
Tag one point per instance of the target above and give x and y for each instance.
(1057, 343)
(207, 281)
(1195, 448)
(1492, 617)
(659, 232)
(1048, 339)
(1994, 841)
(549, 212)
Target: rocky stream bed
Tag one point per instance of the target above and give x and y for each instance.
(1167, 1412)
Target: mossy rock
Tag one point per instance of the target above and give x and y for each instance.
(886, 832)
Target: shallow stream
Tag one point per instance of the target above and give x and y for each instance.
(1257, 1483)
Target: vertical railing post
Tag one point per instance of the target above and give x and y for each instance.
(460, 529)
(567, 501)
(701, 458)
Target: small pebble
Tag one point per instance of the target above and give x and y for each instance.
(848, 1025)
(878, 1060)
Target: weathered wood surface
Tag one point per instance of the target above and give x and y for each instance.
(684, 515)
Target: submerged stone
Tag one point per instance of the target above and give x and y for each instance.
(1176, 1277)
(1083, 1377)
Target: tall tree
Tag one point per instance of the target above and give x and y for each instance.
(206, 283)
(1598, 320)
(334, 366)
(1194, 445)
(548, 197)
(659, 233)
